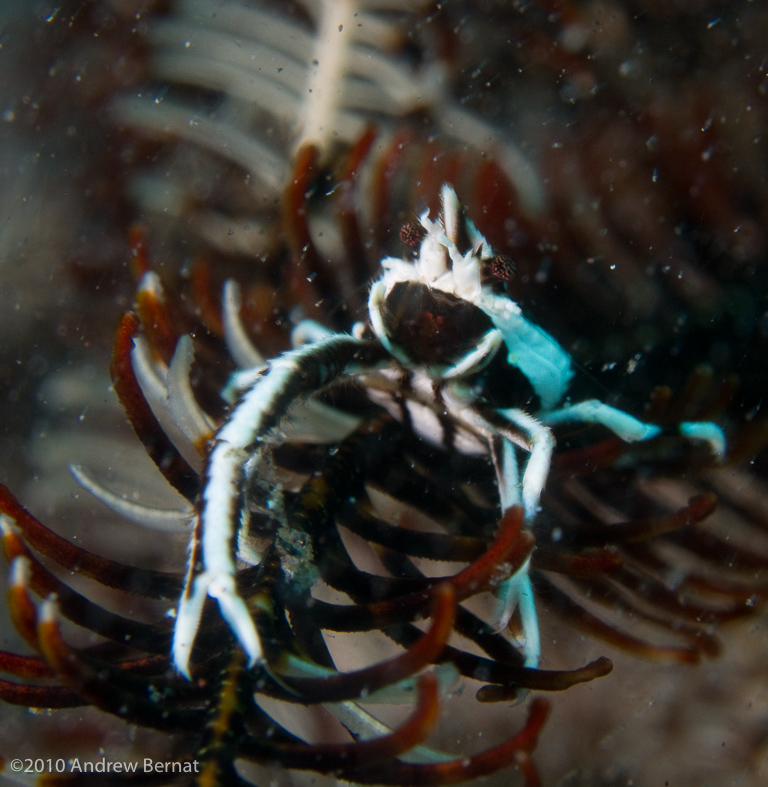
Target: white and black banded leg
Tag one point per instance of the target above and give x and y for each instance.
(211, 570)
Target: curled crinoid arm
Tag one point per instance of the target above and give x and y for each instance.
(374, 761)
(366, 754)
(162, 362)
(514, 752)
(31, 532)
(239, 344)
(167, 520)
(115, 691)
(27, 575)
(34, 695)
(82, 610)
(363, 682)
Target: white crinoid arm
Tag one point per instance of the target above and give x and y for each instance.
(336, 24)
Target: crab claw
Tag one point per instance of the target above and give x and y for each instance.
(233, 609)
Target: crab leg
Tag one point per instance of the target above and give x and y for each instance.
(211, 568)
(630, 429)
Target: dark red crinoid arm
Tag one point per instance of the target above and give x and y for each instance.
(426, 650)
(139, 581)
(514, 752)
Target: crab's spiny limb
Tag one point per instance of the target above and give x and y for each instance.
(537, 467)
(707, 431)
(631, 429)
(593, 411)
(294, 375)
(517, 591)
(508, 471)
(190, 606)
(530, 620)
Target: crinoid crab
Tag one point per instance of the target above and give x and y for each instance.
(438, 332)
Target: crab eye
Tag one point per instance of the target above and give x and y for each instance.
(502, 267)
(412, 234)
(498, 272)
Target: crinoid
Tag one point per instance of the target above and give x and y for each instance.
(426, 466)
